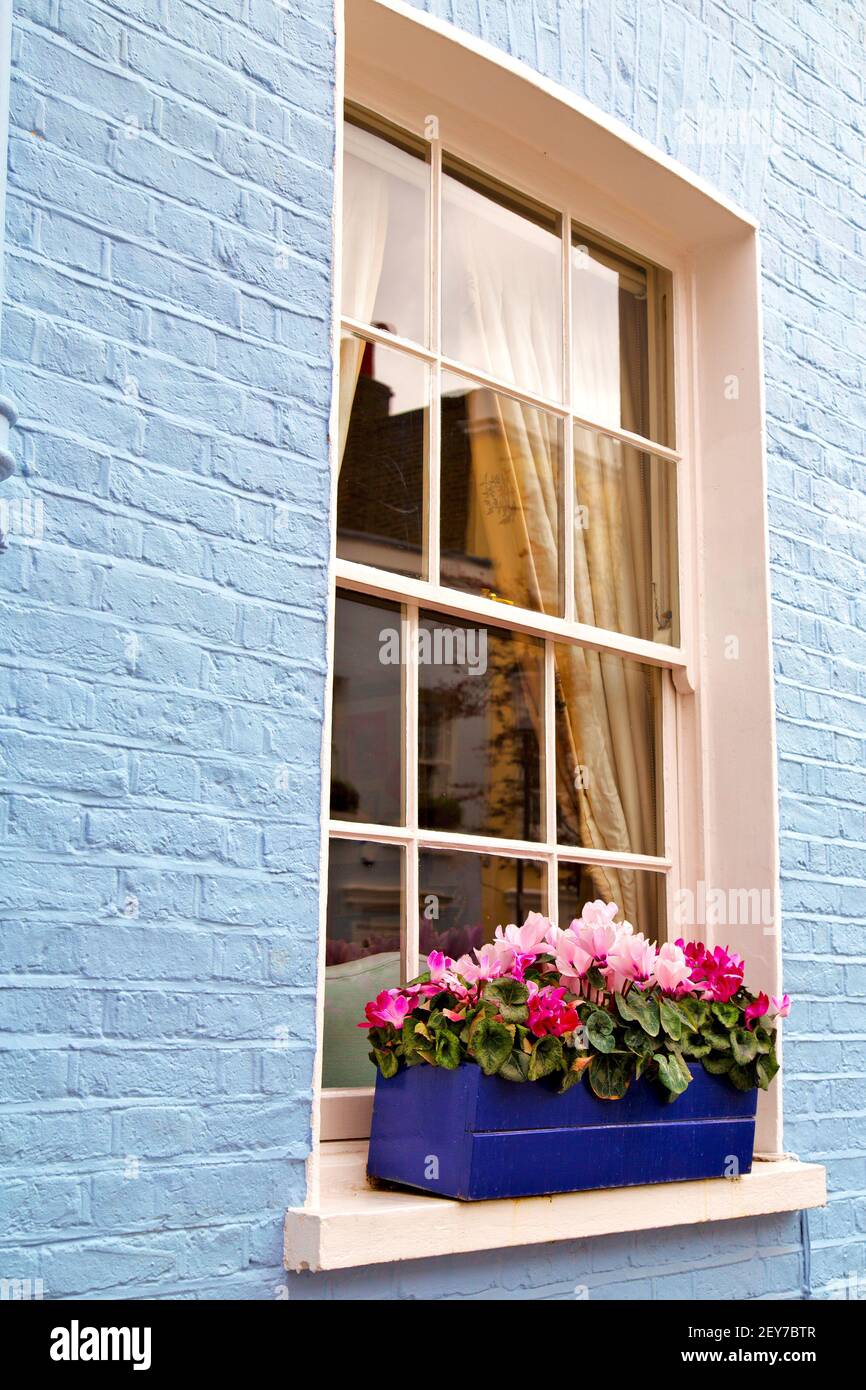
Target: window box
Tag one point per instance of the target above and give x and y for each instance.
(466, 1135)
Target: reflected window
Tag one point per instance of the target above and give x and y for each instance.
(465, 897)
(480, 729)
(366, 739)
(380, 500)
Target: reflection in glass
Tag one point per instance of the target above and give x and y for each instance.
(366, 740)
(640, 894)
(501, 283)
(501, 493)
(608, 752)
(625, 538)
(480, 715)
(620, 341)
(362, 954)
(380, 500)
(465, 897)
(385, 201)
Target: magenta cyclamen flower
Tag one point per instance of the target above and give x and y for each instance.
(549, 1013)
(388, 1007)
(719, 972)
(757, 1010)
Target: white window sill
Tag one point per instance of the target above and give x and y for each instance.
(355, 1224)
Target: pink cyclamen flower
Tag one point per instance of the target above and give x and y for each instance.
(672, 970)
(439, 966)
(487, 966)
(632, 958)
(572, 961)
(781, 1007)
(596, 931)
(757, 1009)
(391, 1006)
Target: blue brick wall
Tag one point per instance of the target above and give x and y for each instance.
(161, 658)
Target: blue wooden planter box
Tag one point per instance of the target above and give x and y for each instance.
(463, 1134)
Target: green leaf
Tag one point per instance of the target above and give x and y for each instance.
(718, 1039)
(510, 998)
(387, 1061)
(546, 1057)
(599, 1031)
(448, 1050)
(571, 1078)
(610, 1075)
(693, 1045)
(673, 1072)
(639, 1042)
(718, 1065)
(742, 1077)
(490, 1044)
(516, 1066)
(595, 978)
(640, 1008)
(763, 1040)
(671, 1019)
(744, 1046)
(765, 1070)
(727, 1014)
(697, 1011)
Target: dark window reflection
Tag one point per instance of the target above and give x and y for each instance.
(480, 713)
(639, 894)
(465, 897)
(365, 911)
(380, 501)
(366, 736)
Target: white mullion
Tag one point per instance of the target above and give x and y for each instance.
(434, 434)
(402, 589)
(505, 388)
(568, 498)
(410, 783)
(386, 339)
(366, 830)
(549, 771)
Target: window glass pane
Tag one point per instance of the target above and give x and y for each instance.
(479, 729)
(501, 284)
(608, 752)
(501, 494)
(620, 341)
(366, 736)
(639, 893)
(383, 432)
(625, 538)
(385, 221)
(465, 897)
(362, 953)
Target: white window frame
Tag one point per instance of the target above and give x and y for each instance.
(711, 249)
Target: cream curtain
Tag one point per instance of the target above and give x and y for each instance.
(365, 229)
(603, 736)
